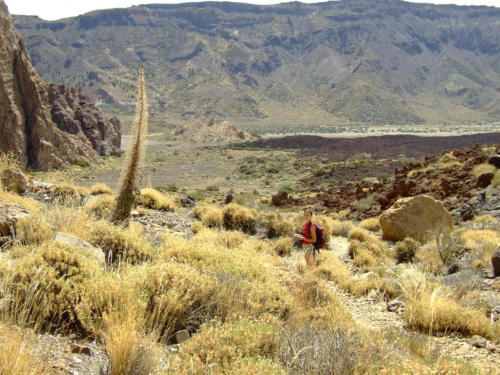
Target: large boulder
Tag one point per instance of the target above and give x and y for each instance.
(9, 215)
(494, 159)
(417, 217)
(13, 180)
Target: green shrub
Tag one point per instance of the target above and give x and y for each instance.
(212, 188)
(286, 189)
(82, 162)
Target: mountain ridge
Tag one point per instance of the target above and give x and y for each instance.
(358, 62)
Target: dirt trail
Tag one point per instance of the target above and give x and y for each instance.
(371, 312)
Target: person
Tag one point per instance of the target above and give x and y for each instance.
(308, 238)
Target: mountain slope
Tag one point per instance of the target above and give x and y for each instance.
(360, 61)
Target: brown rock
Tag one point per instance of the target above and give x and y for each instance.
(9, 215)
(478, 341)
(280, 199)
(416, 217)
(484, 180)
(495, 262)
(180, 336)
(14, 180)
(80, 349)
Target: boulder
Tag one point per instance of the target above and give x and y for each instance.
(14, 180)
(180, 336)
(188, 202)
(229, 198)
(417, 217)
(280, 198)
(9, 215)
(68, 239)
(478, 341)
(494, 159)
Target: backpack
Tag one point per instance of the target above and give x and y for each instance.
(320, 239)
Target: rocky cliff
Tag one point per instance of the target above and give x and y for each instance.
(26, 123)
(203, 129)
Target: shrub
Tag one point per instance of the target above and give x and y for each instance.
(32, 230)
(120, 245)
(483, 168)
(9, 160)
(385, 176)
(82, 162)
(342, 228)
(239, 218)
(448, 160)
(52, 278)
(286, 189)
(178, 297)
(98, 189)
(371, 224)
(16, 352)
(496, 179)
(212, 188)
(283, 246)
(100, 207)
(69, 194)
(276, 224)
(368, 253)
(223, 347)
(152, 198)
(210, 216)
(361, 235)
(484, 242)
(405, 250)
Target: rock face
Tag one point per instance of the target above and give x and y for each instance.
(73, 113)
(416, 217)
(26, 123)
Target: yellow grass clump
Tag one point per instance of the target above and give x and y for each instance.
(152, 198)
(100, 207)
(236, 217)
(48, 284)
(16, 352)
(448, 160)
(120, 245)
(230, 347)
(68, 194)
(371, 224)
(276, 224)
(342, 228)
(9, 160)
(210, 216)
(484, 242)
(99, 189)
(361, 235)
(483, 168)
(28, 203)
(406, 250)
(283, 246)
(32, 230)
(368, 254)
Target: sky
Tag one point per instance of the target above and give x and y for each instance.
(56, 9)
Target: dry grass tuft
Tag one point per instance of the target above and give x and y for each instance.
(361, 235)
(483, 168)
(283, 246)
(368, 254)
(9, 160)
(16, 353)
(32, 230)
(152, 198)
(406, 250)
(120, 245)
(210, 216)
(448, 160)
(484, 242)
(275, 224)
(342, 228)
(371, 224)
(99, 189)
(68, 194)
(236, 217)
(100, 207)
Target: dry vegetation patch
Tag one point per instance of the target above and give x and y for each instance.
(152, 198)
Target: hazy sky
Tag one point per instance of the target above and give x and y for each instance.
(57, 9)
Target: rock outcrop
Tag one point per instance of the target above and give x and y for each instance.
(13, 180)
(73, 113)
(26, 123)
(202, 129)
(416, 217)
(9, 215)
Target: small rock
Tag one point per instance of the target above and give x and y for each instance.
(14, 180)
(495, 314)
(395, 306)
(188, 202)
(75, 362)
(75, 241)
(478, 341)
(135, 214)
(180, 336)
(75, 348)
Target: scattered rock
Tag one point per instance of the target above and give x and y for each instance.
(478, 341)
(281, 199)
(14, 180)
(75, 241)
(188, 202)
(462, 279)
(80, 349)
(9, 215)
(495, 262)
(495, 314)
(180, 336)
(395, 306)
(415, 217)
(494, 159)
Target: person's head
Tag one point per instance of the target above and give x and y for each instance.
(308, 214)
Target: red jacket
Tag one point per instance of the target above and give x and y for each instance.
(306, 232)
